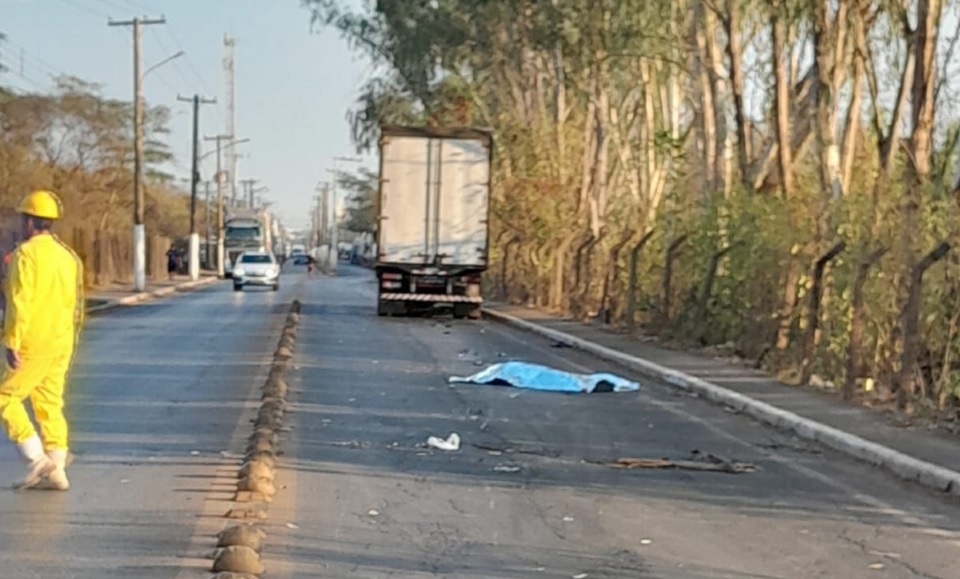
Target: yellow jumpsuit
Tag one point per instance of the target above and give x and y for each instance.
(44, 313)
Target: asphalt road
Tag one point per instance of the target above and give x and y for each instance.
(156, 394)
(161, 391)
(363, 498)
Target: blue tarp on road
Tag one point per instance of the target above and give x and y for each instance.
(537, 377)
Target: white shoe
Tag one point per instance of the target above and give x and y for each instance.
(58, 476)
(39, 465)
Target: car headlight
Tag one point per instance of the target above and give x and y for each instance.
(238, 271)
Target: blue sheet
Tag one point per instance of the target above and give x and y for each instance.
(537, 377)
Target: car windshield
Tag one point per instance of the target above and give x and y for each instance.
(256, 259)
(243, 232)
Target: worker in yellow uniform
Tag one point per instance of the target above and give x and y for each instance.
(44, 313)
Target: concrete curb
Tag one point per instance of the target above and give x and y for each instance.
(160, 293)
(903, 465)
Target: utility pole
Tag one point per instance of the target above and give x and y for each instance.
(194, 180)
(229, 71)
(248, 190)
(333, 253)
(325, 221)
(139, 236)
(206, 226)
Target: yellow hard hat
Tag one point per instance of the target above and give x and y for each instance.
(42, 204)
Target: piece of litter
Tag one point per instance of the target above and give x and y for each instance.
(645, 541)
(451, 443)
(541, 569)
(195, 453)
(124, 481)
(494, 453)
(515, 395)
(581, 576)
(567, 519)
(506, 468)
(292, 526)
(352, 400)
(373, 513)
(877, 566)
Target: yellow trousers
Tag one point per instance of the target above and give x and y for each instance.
(41, 380)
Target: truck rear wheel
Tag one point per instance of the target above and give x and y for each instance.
(461, 311)
(382, 308)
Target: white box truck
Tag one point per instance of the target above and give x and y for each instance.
(432, 219)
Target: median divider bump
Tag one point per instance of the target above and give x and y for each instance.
(239, 546)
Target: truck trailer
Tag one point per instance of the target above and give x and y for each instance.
(433, 208)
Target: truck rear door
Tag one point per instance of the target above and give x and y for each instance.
(434, 198)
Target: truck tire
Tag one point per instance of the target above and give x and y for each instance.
(382, 308)
(237, 287)
(461, 311)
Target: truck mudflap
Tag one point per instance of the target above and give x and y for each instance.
(434, 298)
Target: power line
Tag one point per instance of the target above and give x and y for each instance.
(85, 8)
(196, 73)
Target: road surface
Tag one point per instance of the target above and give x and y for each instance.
(161, 391)
(368, 501)
(156, 394)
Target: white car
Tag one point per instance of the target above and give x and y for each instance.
(256, 268)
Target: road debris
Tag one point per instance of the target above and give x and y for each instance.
(663, 463)
(532, 450)
(568, 519)
(373, 513)
(506, 468)
(536, 377)
(452, 442)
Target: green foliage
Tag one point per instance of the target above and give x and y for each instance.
(361, 191)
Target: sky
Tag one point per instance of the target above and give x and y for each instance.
(294, 86)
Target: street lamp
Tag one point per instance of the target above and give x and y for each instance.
(161, 63)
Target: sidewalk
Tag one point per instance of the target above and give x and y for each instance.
(124, 295)
(926, 456)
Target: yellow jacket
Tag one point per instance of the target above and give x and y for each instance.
(45, 298)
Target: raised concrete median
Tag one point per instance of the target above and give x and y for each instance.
(923, 457)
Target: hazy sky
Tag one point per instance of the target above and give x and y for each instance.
(294, 87)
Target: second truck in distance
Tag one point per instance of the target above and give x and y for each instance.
(432, 219)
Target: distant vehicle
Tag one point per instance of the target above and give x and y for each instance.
(433, 215)
(258, 268)
(299, 255)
